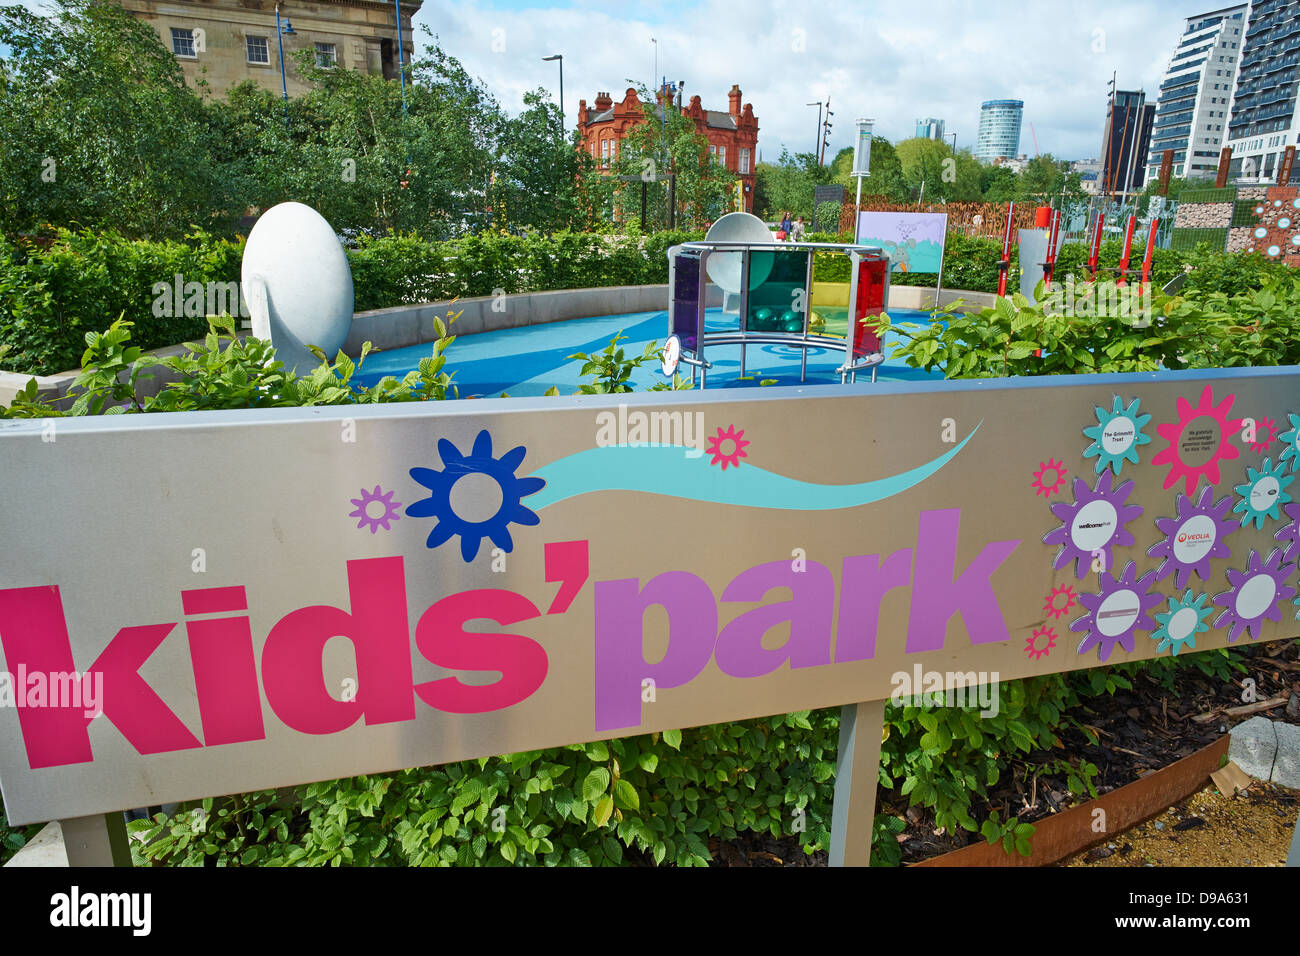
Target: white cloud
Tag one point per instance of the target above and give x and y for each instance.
(895, 62)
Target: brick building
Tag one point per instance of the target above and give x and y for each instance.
(228, 41)
(732, 135)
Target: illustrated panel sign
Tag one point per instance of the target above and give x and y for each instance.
(914, 240)
(204, 603)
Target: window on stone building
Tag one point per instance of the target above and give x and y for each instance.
(722, 155)
(258, 51)
(183, 42)
(744, 161)
(326, 55)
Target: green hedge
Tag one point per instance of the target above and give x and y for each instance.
(51, 297)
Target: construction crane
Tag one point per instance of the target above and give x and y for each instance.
(1035, 136)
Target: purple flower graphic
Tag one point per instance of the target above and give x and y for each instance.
(1254, 594)
(1194, 537)
(1094, 523)
(1120, 609)
(366, 515)
(1289, 534)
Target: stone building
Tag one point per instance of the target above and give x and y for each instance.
(732, 136)
(228, 41)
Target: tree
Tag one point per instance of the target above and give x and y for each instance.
(886, 172)
(999, 184)
(539, 180)
(1046, 178)
(946, 175)
(789, 185)
(85, 98)
(651, 151)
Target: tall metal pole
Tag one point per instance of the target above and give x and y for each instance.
(401, 67)
(284, 84)
(560, 57)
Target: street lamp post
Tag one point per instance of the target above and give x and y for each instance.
(560, 57)
(818, 140)
(401, 67)
(954, 143)
(280, 33)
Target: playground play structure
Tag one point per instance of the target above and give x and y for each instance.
(771, 297)
(771, 294)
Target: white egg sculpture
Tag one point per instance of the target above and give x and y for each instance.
(298, 285)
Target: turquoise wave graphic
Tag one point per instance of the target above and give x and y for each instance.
(665, 470)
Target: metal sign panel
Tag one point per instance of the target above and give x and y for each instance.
(204, 603)
(914, 240)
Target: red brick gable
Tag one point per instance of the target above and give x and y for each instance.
(605, 123)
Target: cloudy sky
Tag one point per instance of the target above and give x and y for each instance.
(894, 62)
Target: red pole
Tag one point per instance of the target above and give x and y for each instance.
(1005, 265)
(1128, 248)
(1146, 257)
(1094, 250)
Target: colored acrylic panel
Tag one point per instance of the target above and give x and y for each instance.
(872, 276)
(686, 300)
(776, 303)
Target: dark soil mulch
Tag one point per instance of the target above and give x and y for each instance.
(1139, 731)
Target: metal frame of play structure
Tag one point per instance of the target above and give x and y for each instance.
(688, 280)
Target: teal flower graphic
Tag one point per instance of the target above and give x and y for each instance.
(1291, 439)
(1179, 625)
(1263, 493)
(1117, 435)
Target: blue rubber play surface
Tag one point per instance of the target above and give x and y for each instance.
(530, 360)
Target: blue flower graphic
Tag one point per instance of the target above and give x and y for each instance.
(1263, 492)
(1117, 435)
(478, 462)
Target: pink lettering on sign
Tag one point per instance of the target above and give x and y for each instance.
(292, 666)
(441, 637)
(376, 622)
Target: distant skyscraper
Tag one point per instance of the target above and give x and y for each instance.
(999, 135)
(1126, 141)
(1191, 115)
(1264, 118)
(929, 128)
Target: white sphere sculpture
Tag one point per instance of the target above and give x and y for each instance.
(297, 284)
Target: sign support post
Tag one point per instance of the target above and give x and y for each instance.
(96, 840)
(857, 773)
(861, 165)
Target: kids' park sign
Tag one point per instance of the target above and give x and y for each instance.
(197, 604)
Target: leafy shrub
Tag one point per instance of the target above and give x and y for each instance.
(1212, 330)
(50, 298)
